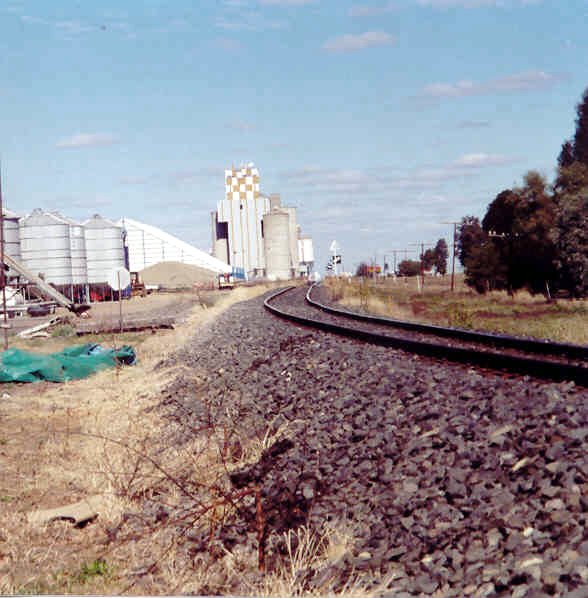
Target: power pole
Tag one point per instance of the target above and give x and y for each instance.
(455, 223)
(422, 261)
(3, 274)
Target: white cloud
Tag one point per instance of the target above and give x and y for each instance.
(134, 180)
(242, 126)
(482, 160)
(459, 3)
(361, 41)
(351, 186)
(251, 21)
(364, 10)
(228, 44)
(286, 2)
(474, 3)
(86, 140)
(526, 81)
(473, 124)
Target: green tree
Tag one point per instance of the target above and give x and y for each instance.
(441, 255)
(484, 269)
(519, 223)
(469, 236)
(566, 155)
(428, 259)
(581, 135)
(409, 268)
(571, 229)
(532, 262)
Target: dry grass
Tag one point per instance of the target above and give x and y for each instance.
(109, 435)
(522, 314)
(61, 443)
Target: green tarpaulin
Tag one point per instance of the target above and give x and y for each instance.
(72, 363)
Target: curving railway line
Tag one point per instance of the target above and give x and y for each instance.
(515, 355)
(436, 478)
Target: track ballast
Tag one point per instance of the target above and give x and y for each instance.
(540, 359)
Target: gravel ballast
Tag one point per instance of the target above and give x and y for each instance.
(451, 481)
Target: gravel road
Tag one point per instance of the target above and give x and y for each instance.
(451, 481)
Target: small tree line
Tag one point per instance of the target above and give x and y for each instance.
(535, 236)
(431, 259)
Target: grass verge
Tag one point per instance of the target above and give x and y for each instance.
(523, 314)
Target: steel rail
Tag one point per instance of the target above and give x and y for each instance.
(538, 368)
(487, 338)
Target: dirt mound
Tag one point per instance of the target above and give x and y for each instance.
(176, 275)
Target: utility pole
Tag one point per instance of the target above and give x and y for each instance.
(455, 223)
(3, 274)
(422, 261)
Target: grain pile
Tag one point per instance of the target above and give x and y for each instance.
(175, 275)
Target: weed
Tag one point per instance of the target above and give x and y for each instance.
(97, 568)
(459, 317)
(64, 330)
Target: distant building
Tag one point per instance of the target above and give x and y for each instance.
(254, 233)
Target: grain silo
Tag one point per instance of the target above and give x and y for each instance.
(77, 244)
(11, 238)
(104, 252)
(276, 235)
(54, 247)
(293, 230)
(45, 247)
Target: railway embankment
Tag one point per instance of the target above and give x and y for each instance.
(443, 479)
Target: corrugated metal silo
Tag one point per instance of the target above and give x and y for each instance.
(104, 248)
(11, 237)
(77, 244)
(45, 246)
(277, 245)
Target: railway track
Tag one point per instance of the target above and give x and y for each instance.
(539, 359)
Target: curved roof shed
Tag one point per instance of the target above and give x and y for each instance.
(149, 245)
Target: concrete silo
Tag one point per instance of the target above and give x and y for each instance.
(292, 237)
(276, 235)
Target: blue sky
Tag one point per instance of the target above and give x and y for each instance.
(379, 120)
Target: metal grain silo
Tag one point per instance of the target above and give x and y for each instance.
(77, 244)
(11, 237)
(45, 246)
(104, 248)
(277, 245)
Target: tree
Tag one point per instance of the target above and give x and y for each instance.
(581, 135)
(533, 257)
(362, 269)
(409, 268)
(485, 270)
(469, 236)
(566, 156)
(441, 255)
(428, 259)
(501, 213)
(571, 240)
(571, 229)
